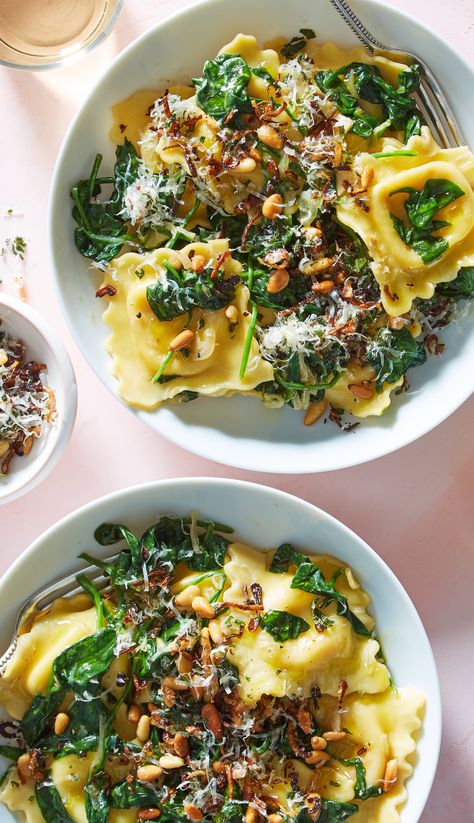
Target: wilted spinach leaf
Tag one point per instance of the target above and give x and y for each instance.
(187, 290)
(392, 352)
(224, 86)
(361, 790)
(97, 803)
(86, 660)
(126, 795)
(311, 579)
(283, 626)
(10, 752)
(297, 43)
(285, 556)
(38, 715)
(50, 804)
(321, 620)
(462, 288)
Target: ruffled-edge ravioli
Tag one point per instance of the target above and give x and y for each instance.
(313, 658)
(398, 269)
(341, 397)
(139, 341)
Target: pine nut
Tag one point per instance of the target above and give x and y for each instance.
(185, 598)
(246, 166)
(318, 743)
(219, 767)
(202, 607)
(270, 137)
(3, 357)
(311, 232)
(148, 814)
(395, 323)
(4, 446)
(333, 737)
(23, 766)
(61, 723)
(149, 773)
(314, 412)
(182, 340)
(134, 714)
(367, 176)
(212, 720)
(272, 206)
(390, 776)
(143, 728)
(185, 663)
(27, 445)
(216, 633)
(324, 287)
(250, 815)
(181, 744)
(169, 697)
(255, 154)
(362, 390)
(170, 682)
(171, 761)
(275, 818)
(322, 264)
(317, 758)
(232, 313)
(198, 263)
(192, 812)
(278, 281)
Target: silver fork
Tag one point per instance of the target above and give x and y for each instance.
(431, 100)
(44, 598)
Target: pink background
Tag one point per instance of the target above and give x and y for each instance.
(414, 507)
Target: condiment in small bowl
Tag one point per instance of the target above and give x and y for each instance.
(39, 391)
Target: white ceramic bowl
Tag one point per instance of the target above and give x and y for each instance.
(44, 346)
(263, 518)
(241, 431)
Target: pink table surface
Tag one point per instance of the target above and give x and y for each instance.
(414, 507)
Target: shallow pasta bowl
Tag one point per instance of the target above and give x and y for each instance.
(263, 518)
(240, 431)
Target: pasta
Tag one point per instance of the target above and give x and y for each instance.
(210, 679)
(291, 206)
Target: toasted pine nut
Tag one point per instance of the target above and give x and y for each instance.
(318, 743)
(197, 693)
(4, 446)
(311, 232)
(148, 773)
(185, 663)
(250, 815)
(278, 281)
(212, 720)
(183, 339)
(390, 776)
(192, 812)
(324, 287)
(23, 766)
(148, 814)
(143, 728)
(367, 176)
(232, 313)
(270, 137)
(134, 714)
(202, 607)
(255, 154)
(181, 744)
(219, 767)
(246, 166)
(216, 633)
(314, 412)
(185, 598)
(152, 707)
(337, 155)
(27, 444)
(169, 697)
(61, 722)
(333, 737)
(395, 323)
(170, 682)
(275, 818)
(171, 761)
(322, 264)
(317, 758)
(272, 206)
(362, 390)
(198, 263)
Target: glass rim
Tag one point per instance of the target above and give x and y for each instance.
(76, 55)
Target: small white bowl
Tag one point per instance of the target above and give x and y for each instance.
(44, 346)
(263, 518)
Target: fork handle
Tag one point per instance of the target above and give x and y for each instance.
(5, 658)
(357, 26)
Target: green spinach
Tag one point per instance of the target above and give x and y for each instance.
(86, 660)
(311, 579)
(285, 556)
(361, 790)
(50, 804)
(392, 352)
(223, 89)
(297, 43)
(283, 626)
(37, 717)
(184, 291)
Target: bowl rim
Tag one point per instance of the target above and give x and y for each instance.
(60, 432)
(305, 509)
(176, 435)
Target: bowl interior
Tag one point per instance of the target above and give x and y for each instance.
(43, 346)
(264, 518)
(240, 431)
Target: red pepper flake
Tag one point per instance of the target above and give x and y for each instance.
(122, 127)
(107, 289)
(362, 204)
(220, 260)
(433, 346)
(362, 750)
